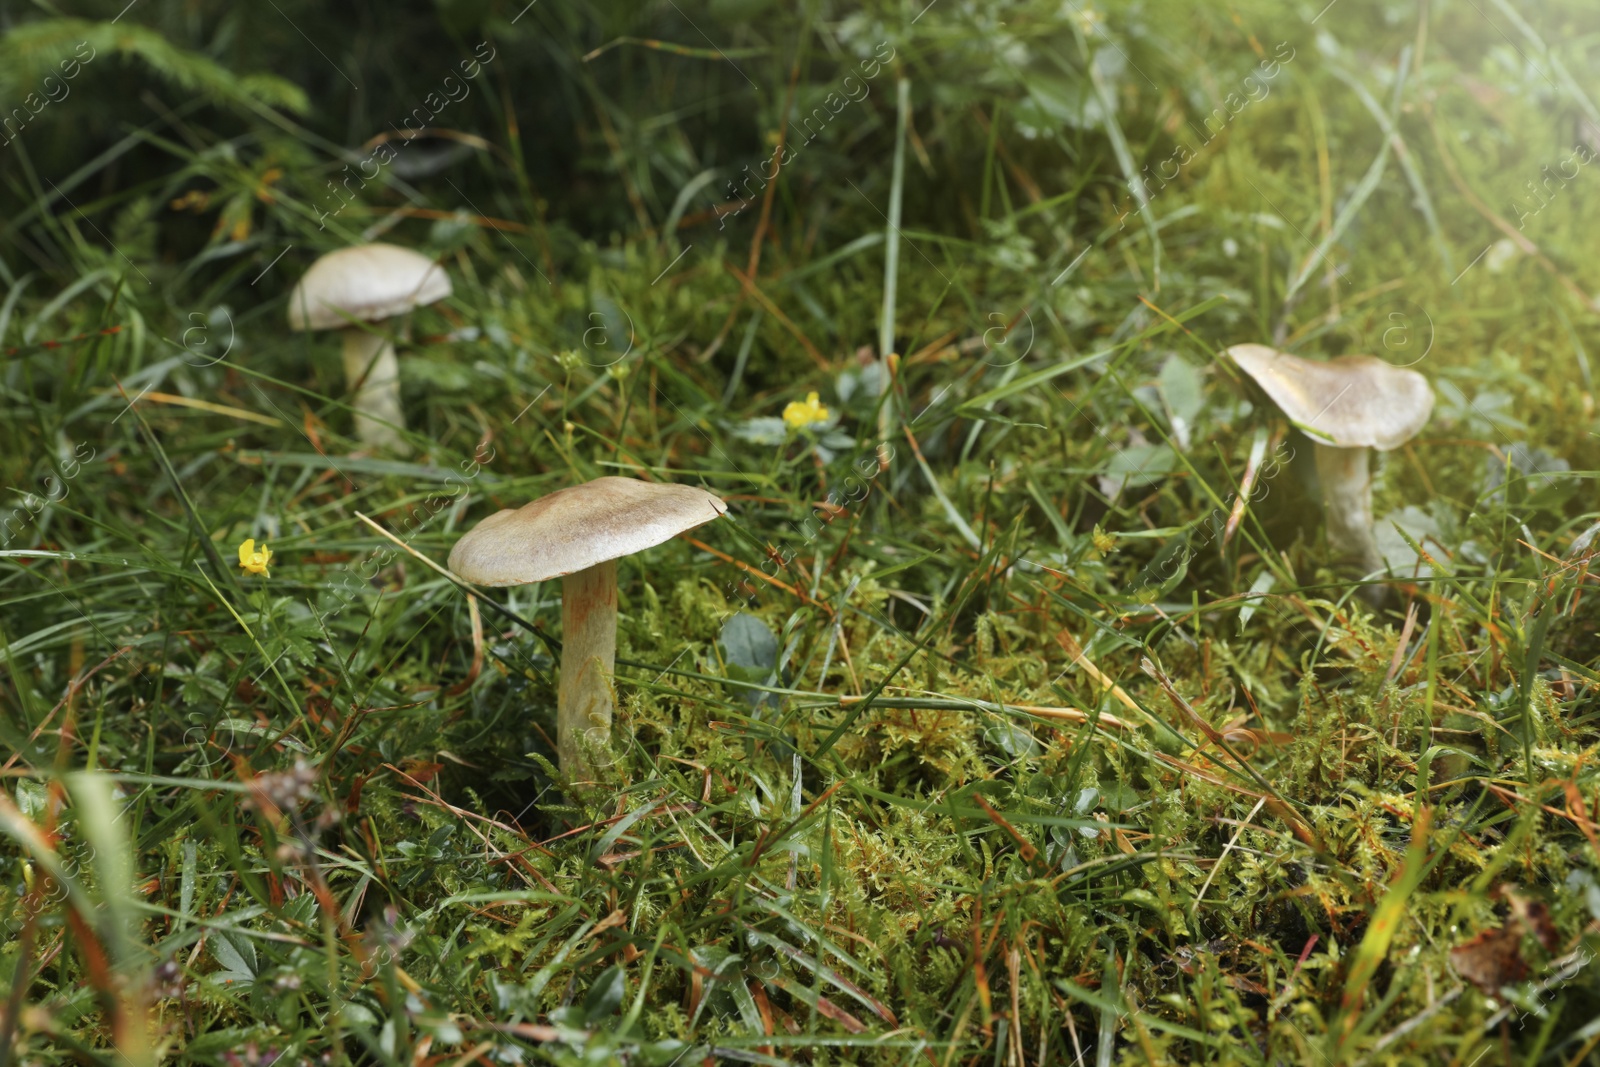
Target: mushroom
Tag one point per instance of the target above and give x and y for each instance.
(368, 283)
(578, 534)
(1346, 406)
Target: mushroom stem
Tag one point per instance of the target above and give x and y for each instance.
(369, 360)
(1347, 504)
(588, 660)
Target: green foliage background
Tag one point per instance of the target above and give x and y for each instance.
(313, 816)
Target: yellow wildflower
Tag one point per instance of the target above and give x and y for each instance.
(254, 560)
(1103, 542)
(799, 416)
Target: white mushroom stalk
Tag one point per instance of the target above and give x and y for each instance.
(373, 372)
(587, 699)
(1347, 407)
(577, 534)
(1346, 478)
(362, 284)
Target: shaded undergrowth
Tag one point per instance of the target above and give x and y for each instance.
(1014, 715)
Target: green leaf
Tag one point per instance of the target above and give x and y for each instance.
(605, 996)
(1182, 390)
(237, 957)
(1138, 465)
(747, 642)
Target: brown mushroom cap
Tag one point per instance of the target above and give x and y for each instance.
(1348, 402)
(577, 527)
(367, 282)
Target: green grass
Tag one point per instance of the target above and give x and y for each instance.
(313, 815)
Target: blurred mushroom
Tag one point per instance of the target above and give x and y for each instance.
(578, 534)
(368, 283)
(1347, 406)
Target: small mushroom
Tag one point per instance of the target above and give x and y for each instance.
(1347, 406)
(368, 283)
(578, 534)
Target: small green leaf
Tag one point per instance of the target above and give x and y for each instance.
(605, 996)
(747, 642)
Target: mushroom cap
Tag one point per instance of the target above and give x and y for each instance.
(1348, 402)
(366, 282)
(577, 527)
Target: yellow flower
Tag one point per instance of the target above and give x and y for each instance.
(254, 560)
(1103, 542)
(799, 416)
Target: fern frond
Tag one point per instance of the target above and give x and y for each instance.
(33, 51)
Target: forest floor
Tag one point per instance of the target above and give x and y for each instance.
(1016, 711)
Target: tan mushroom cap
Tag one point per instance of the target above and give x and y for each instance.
(1348, 402)
(577, 527)
(366, 282)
